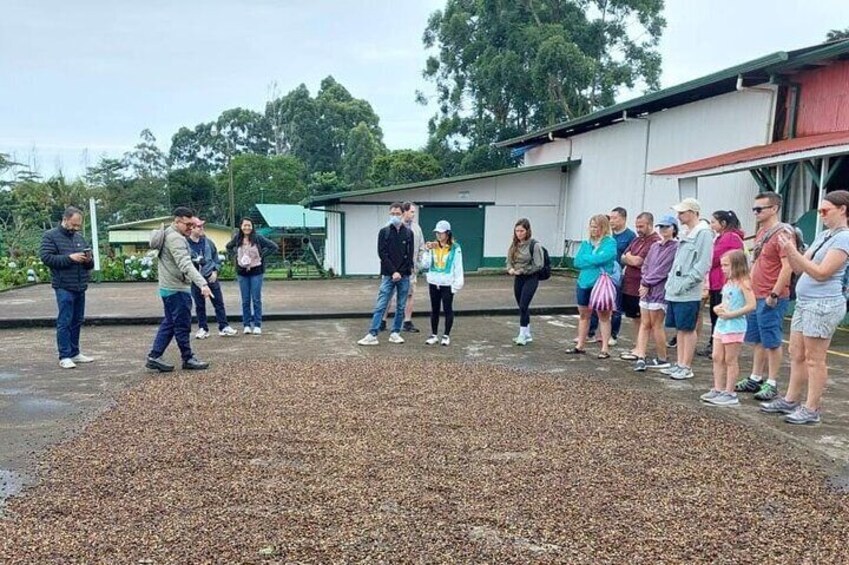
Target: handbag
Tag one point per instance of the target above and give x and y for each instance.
(603, 294)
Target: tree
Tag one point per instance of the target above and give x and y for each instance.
(239, 131)
(506, 67)
(277, 179)
(404, 167)
(319, 184)
(837, 34)
(197, 189)
(361, 149)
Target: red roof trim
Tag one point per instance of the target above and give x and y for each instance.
(757, 152)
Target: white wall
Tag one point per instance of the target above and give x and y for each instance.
(537, 195)
(615, 159)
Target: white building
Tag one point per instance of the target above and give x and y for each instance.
(644, 155)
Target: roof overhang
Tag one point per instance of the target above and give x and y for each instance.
(339, 196)
(757, 156)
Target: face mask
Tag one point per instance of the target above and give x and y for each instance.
(395, 220)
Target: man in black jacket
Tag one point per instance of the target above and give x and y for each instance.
(64, 250)
(395, 249)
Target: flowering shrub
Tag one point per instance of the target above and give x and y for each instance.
(22, 270)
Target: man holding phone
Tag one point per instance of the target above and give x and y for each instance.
(66, 252)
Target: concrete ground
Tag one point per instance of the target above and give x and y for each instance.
(40, 404)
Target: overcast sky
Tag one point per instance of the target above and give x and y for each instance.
(91, 74)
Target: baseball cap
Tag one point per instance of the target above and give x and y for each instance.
(688, 205)
(442, 226)
(667, 220)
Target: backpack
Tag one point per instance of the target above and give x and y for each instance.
(157, 240)
(800, 245)
(545, 272)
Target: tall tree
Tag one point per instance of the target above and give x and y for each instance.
(361, 149)
(405, 166)
(508, 66)
(837, 34)
(209, 145)
(277, 179)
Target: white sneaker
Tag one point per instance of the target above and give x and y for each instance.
(80, 358)
(67, 363)
(247, 330)
(446, 340)
(395, 337)
(432, 340)
(257, 330)
(612, 342)
(227, 331)
(369, 340)
(202, 334)
(521, 340)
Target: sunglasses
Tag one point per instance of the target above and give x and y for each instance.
(759, 209)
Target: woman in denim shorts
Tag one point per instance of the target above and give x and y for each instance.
(820, 307)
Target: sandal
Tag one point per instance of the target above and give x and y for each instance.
(603, 355)
(575, 351)
(628, 356)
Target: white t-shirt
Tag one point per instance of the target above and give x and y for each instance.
(808, 288)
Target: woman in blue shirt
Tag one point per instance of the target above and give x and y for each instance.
(596, 255)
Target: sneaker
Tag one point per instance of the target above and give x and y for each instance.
(640, 366)
(682, 374)
(529, 338)
(157, 364)
(202, 334)
(712, 393)
(382, 326)
(748, 385)
(612, 342)
(779, 406)
(227, 331)
(195, 364)
(521, 340)
(673, 342)
(80, 358)
(247, 330)
(432, 340)
(67, 363)
(767, 392)
(395, 337)
(803, 415)
(706, 351)
(409, 327)
(724, 399)
(370, 339)
(446, 340)
(658, 364)
(257, 331)
(673, 368)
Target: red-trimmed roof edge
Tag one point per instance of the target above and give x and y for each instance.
(757, 152)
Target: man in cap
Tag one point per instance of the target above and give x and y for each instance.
(205, 259)
(684, 285)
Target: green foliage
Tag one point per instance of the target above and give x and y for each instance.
(325, 183)
(196, 189)
(837, 34)
(404, 167)
(273, 180)
(361, 150)
(23, 270)
(504, 68)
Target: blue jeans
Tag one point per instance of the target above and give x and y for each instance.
(217, 302)
(387, 287)
(251, 289)
(69, 321)
(177, 324)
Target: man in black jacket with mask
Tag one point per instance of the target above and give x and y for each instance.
(64, 250)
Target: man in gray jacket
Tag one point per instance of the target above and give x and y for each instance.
(176, 275)
(684, 285)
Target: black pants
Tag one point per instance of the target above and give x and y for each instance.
(715, 300)
(524, 288)
(441, 295)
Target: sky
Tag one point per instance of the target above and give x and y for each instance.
(82, 79)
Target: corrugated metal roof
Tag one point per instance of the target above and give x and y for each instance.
(757, 152)
(290, 216)
(698, 89)
(336, 196)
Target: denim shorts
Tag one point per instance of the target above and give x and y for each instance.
(583, 296)
(818, 317)
(682, 315)
(764, 325)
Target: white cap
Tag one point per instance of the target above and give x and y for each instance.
(442, 226)
(688, 205)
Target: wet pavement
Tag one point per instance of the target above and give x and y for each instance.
(40, 404)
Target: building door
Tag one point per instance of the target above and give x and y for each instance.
(467, 226)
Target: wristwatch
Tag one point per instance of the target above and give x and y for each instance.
(773, 295)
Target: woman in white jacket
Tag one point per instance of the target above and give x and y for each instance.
(443, 261)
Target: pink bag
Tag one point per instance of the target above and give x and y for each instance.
(603, 294)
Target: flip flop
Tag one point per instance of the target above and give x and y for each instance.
(628, 356)
(603, 355)
(575, 351)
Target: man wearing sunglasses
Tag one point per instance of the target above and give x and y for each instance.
(770, 275)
